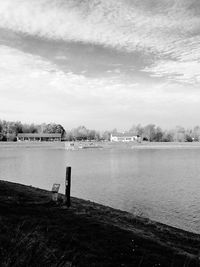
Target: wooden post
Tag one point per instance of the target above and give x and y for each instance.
(68, 186)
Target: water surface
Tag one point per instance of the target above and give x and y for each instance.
(161, 184)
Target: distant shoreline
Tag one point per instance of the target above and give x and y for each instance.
(31, 144)
(102, 145)
(168, 145)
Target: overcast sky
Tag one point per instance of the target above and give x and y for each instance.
(100, 63)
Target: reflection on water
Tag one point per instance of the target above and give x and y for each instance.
(162, 184)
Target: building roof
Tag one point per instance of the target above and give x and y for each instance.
(37, 135)
(123, 135)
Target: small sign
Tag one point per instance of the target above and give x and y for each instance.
(55, 188)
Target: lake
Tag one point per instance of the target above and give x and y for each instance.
(161, 183)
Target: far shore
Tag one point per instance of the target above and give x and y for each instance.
(103, 145)
(35, 144)
(37, 232)
(160, 145)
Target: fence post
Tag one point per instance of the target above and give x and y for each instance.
(68, 186)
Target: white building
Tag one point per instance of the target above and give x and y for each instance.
(123, 137)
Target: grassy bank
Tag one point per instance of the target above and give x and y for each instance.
(36, 232)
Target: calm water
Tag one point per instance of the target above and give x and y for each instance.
(162, 184)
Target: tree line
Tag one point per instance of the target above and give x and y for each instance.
(10, 129)
(150, 132)
(154, 133)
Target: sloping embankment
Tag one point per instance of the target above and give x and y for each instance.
(36, 232)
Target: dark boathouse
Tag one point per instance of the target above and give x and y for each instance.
(47, 137)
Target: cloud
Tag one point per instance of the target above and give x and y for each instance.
(32, 89)
(122, 24)
(167, 29)
(182, 71)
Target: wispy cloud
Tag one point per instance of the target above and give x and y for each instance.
(181, 71)
(167, 29)
(123, 24)
(151, 69)
(32, 89)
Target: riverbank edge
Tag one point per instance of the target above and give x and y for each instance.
(78, 145)
(153, 242)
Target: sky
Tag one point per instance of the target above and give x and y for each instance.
(100, 63)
